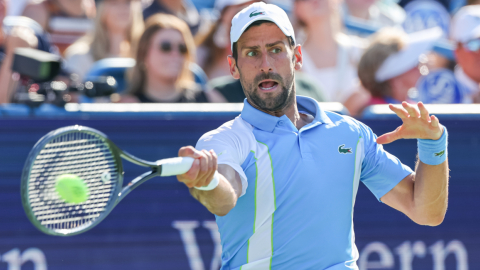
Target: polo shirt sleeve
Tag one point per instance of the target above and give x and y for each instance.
(228, 148)
(381, 171)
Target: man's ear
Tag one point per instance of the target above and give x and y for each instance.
(298, 57)
(233, 67)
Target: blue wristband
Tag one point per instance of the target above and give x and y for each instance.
(433, 152)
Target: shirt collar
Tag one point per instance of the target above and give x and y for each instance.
(268, 122)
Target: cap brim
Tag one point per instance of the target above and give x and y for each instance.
(407, 58)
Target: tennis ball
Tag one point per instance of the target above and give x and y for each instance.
(71, 188)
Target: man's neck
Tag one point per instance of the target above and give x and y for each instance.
(291, 111)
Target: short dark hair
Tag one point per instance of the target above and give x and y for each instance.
(257, 23)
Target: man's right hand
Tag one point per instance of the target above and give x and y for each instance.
(203, 167)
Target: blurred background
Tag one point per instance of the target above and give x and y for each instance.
(153, 76)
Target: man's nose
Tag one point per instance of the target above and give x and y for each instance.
(266, 64)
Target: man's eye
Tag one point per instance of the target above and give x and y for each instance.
(251, 53)
(276, 50)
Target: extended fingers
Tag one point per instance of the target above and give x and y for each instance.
(434, 121)
(388, 137)
(412, 111)
(402, 113)
(423, 111)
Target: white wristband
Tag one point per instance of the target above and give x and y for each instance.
(213, 184)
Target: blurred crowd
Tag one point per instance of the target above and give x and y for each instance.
(357, 52)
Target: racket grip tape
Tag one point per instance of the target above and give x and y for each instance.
(175, 166)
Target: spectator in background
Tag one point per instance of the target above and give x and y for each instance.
(465, 31)
(118, 26)
(16, 7)
(162, 74)
(183, 9)
(329, 56)
(375, 12)
(390, 66)
(16, 38)
(216, 47)
(65, 20)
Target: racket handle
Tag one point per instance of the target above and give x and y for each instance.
(175, 166)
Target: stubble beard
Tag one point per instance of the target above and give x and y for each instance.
(271, 103)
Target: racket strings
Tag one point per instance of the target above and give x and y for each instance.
(81, 154)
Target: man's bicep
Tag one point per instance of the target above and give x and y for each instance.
(401, 196)
(232, 176)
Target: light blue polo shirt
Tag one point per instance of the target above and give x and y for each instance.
(299, 187)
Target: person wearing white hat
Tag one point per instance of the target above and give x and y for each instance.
(465, 31)
(391, 65)
(282, 177)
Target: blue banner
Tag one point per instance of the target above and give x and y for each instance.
(160, 226)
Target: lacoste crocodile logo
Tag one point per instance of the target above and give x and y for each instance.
(253, 14)
(439, 154)
(342, 150)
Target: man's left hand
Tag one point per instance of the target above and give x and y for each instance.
(417, 124)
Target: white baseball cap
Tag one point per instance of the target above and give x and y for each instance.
(465, 24)
(256, 12)
(407, 58)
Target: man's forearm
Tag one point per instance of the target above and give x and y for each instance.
(430, 196)
(219, 200)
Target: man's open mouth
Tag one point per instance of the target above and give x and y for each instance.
(267, 85)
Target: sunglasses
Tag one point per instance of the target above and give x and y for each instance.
(472, 45)
(167, 47)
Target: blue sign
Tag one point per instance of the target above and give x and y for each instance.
(160, 226)
(441, 87)
(425, 14)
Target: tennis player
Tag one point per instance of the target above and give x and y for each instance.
(282, 177)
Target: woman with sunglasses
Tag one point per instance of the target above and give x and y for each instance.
(162, 74)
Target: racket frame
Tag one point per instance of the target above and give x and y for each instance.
(38, 147)
(116, 196)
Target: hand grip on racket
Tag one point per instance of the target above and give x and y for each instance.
(90, 155)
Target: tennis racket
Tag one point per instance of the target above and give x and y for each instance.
(90, 155)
